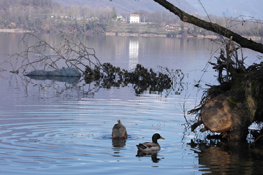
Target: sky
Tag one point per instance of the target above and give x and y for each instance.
(234, 8)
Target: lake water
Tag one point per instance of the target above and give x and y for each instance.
(52, 127)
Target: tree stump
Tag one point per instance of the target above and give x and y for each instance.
(216, 116)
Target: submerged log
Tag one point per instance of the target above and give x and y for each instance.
(216, 115)
(64, 72)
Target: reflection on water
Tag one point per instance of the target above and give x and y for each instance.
(118, 142)
(152, 154)
(52, 127)
(215, 159)
(133, 53)
(235, 158)
(76, 134)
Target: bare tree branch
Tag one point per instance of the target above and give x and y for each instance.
(70, 52)
(185, 17)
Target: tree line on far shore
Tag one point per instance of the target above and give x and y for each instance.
(46, 16)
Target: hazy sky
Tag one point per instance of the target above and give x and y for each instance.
(234, 8)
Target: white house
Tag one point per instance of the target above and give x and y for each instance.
(119, 18)
(134, 18)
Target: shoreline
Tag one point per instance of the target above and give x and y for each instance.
(255, 38)
(160, 35)
(15, 31)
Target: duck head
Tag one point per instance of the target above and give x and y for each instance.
(155, 137)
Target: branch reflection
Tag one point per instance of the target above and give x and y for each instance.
(165, 81)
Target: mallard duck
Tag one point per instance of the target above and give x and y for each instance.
(119, 131)
(151, 146)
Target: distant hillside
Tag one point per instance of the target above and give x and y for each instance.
(128, 6)
(232, 8)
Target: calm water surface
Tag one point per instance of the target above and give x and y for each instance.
(51, 127)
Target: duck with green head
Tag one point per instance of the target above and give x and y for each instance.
(151, 146)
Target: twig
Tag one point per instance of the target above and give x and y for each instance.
(71, 52)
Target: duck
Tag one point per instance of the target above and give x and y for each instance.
(151, 146)
(119, 131)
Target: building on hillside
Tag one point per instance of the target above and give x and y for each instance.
(134, 18)
(119, 18)
(176, 27)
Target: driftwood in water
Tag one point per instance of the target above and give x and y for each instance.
(231, 107)
(235, 109)
(64, 72)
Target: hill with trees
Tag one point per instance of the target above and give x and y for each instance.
(49, 16)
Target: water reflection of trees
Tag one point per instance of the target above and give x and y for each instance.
(83, 88)
(164, 82)
(141, 79)
(71, 52)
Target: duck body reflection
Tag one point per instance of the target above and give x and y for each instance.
(118, 142)
(152, 154)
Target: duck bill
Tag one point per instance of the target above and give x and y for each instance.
(162, 138)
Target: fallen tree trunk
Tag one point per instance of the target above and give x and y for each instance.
(231, 107)
(234, 110)
(64, 72)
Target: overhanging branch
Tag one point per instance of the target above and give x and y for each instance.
(185, 17)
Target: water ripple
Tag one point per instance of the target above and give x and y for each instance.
(76, 134)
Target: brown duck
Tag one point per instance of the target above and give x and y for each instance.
(119, 131)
